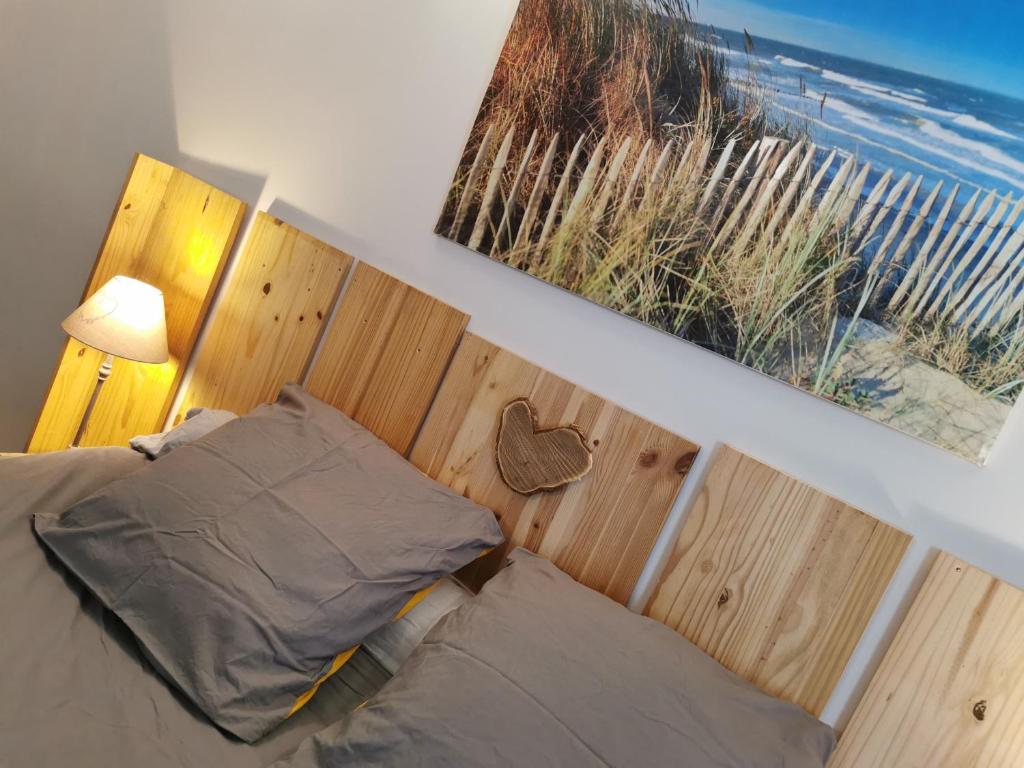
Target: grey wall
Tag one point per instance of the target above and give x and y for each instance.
(347, 118)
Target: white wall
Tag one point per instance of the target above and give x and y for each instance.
(347, 117)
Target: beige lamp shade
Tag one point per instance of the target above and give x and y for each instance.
(124, 318)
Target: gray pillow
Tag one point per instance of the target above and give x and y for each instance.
(198, 422)
(245, 562)
(538, 670)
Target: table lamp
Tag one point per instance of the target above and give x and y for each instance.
(124, 318)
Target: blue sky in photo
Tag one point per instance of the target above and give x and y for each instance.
(979, 43)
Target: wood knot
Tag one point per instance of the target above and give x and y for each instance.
(301, 318)
(979, 710)
(127, 206)
(648, 458)
(319, 315)
(266, 289)
(81, 351)
(684, 462)
(724, 597)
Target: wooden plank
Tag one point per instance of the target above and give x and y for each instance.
(524, 235)
(893, 230)
(611, 179)
(587, 183)
(658, 174)
(762, 168)
(850, 197)
(935, 267)
(953, 257)
(765, 197)
(810, 194)
(717, 175)
(989, 234)
(950, 690)
(560, 193)
(385, 355)
(984, 297)
(871, 205)
(784, 206)
(472, 180)
(504, 228)
(600, 529)
(268, 320)
(173, 231)
(483, 217)
(965, 295)
(915, 279)
(909, 238)
(774, 579)
(627, 199)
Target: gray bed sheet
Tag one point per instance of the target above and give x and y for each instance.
(74, 687)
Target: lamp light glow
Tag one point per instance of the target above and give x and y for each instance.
(124, 318)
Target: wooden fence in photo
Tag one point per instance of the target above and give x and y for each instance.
(926, 256)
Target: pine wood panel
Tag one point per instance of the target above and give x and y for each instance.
(385, 354)
(950, 691)
(600, 529)
(269, 318)
(775, 579)
(173, 231)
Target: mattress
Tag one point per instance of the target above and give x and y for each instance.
(74, 687)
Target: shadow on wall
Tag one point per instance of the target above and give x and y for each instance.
(79, 106)
(321, 230)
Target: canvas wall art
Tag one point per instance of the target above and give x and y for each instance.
(830, 193)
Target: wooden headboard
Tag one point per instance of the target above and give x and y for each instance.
(950, 691)
(775, 579)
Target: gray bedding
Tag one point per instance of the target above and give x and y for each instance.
(538, 670)
(74, 688)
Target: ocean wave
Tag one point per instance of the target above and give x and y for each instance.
(916, 103)
(874, 126)
(883, 146)
(937, 142)
(970, 121)
(863, 85)
(954, 139)
(795, 64)
(840, 106)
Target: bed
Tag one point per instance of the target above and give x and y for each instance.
(772, 579)
(85, 689)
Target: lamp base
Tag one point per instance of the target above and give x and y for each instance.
(101, 378)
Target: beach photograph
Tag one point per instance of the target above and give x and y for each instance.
(831, 194)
